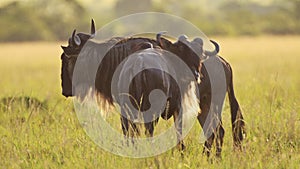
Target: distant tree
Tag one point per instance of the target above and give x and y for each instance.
(296, 4)
(19, 23)
(61, 16)
(125, 7)
(40, 20)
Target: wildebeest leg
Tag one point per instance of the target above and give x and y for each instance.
(208, 143)
(130, 129)
(202, 116)
(219, 139)
(125, 124)
(237, 120)
(217, 134)
(178, 125)
(219, 130)
(135, 129)
(149, 129)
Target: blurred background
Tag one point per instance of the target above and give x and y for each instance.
(52, 20)
(39, 127)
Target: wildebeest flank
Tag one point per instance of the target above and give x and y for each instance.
(206, 94)
(206, 103)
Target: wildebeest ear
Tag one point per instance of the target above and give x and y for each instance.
(183, 38)
(93, 29)
(164, 43)
(198, 41)
(77, 40)
(182, 42)
(63, 47)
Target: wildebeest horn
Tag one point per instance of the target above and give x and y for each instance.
(215, 52)
(75, 38)
(158, 36)
(93, 30)
(63, 47)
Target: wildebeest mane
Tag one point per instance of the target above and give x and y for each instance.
(122, 48)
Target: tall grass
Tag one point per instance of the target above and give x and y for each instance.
(266, 80)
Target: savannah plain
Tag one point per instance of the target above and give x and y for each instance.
(266, 81)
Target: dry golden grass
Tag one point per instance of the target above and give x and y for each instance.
(267, 83)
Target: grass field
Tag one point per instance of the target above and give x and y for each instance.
(267, 84)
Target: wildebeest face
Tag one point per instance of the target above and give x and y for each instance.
(191, 53)
(182, 48)
(69, 57)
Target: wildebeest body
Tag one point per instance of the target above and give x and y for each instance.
(206, 103)
(121, 48)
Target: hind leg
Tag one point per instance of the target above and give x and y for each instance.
(238, 130)
(208, 142)
(125, 125)
(218, 136)
(219, 139)
(149, 129)
(135, 130)
(210, 120)
(202, 116)
(124, 122)
(125, 128)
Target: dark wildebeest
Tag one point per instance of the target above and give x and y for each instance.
(121, 49)
(150, 79)
(206, 102)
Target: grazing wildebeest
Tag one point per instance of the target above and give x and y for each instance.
(149, 80)
(121, 49)
(206, 102)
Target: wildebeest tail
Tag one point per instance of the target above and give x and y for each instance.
(237, 119)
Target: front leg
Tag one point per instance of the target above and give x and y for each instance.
(124, 123)
(178, 126)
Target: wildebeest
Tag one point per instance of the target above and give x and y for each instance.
(69, 56)
(122, 48)
(206, 102)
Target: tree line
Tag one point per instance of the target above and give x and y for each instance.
(55, 19)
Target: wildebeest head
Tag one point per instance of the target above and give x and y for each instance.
(69, 57)
(191, 53)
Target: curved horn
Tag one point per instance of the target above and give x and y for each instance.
(63, 47)
(73, 34)
(75, 38)
(93, 30)
(158, 36)
(215, 52)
